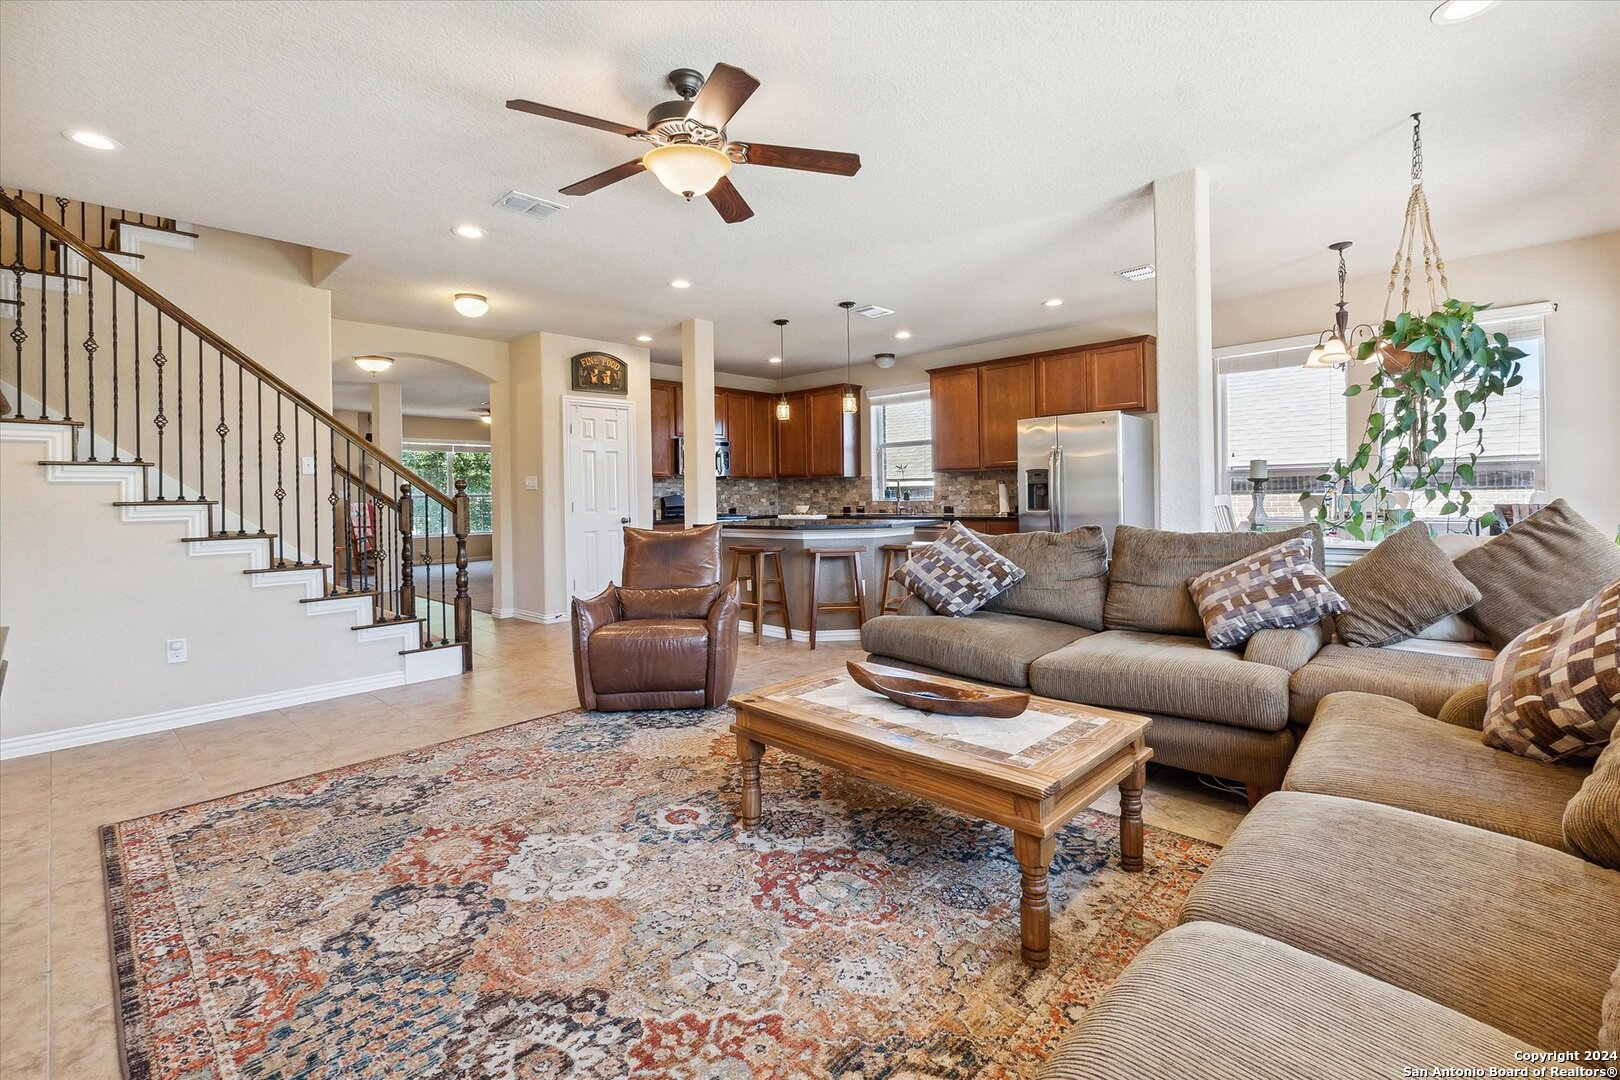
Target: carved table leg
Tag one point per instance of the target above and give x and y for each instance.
(1130, 818)
(1034, 915)
(749, 753)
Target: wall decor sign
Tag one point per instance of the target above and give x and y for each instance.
(599, 373)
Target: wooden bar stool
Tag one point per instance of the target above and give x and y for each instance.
(758, 560)
(893, 555)
(856, 603)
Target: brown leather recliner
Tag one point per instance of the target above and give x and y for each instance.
(667, 637)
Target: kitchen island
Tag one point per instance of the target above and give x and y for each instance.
(796, 537)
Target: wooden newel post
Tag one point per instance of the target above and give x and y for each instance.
(463, 600)
(407, 556)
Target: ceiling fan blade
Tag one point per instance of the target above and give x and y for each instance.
(519, 105)
(603, 179)
(722, 95)
(725, 198)
(797, 157)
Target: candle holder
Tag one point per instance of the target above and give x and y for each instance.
(1257, 520)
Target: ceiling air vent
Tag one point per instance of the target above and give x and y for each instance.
(872, 311)
(1138, 273)
(528, 205)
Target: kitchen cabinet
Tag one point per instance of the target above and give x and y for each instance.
(735, 406)
(1006, 396)
(665, 408)
(793, 439)
(1119, 375)
(762, 435)
(954, 398)
(1060, 383)
(835, 437)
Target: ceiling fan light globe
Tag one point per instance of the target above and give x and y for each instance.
(687, 169)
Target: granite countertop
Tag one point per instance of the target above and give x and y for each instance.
(884, 521)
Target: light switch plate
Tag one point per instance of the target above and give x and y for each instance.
(309, 465)
(531, 483)
(177, 650)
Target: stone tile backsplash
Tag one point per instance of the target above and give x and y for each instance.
(971, 493)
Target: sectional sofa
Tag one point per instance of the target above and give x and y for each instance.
(1124, 633)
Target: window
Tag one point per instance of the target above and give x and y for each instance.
(902, 445)
(1298, 420)
(442, 464)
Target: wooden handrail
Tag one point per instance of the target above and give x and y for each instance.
(391, 501)
(151, 296)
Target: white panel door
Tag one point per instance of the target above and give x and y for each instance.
(599, 460)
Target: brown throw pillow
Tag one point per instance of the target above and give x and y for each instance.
(1541, 567)
(685, 603)
(1065, 575)
(1279, 588)
(1398, 588)
(1555, 690)
(1592, 817)
(958, 573)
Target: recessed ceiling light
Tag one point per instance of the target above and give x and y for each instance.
(643, 338)
(680, 283)
(468, 232)
(774, 360)
(902, 334)
(1054, 302)
(470, 304)
(1456, 11)
(1138, 273)
(94, 140)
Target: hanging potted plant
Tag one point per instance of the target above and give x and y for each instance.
(1433, 382)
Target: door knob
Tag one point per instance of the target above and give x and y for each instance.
(624, 521)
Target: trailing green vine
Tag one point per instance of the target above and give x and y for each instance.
(1434, 374)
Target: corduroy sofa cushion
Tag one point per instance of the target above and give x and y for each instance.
(1218, 1003)
(1420, 903)
(1426, 680)
(1400, 588)
(1364, 746)
(1165, 673)
(1147, 579)
(1065, 575)
(1550, 562)
(1241, 754)
(1592, 818)
(986, 645)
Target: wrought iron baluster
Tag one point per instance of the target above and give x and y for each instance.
(348, 511)
(241, 468)
(117, 452)
(202, 447)
(159, 419)
(222, 429)
(332, 503)
(135, 312)
(281, 489)
(315, 494)
(259, 451)
(18, 334)
(90, 347)
(44, 326)
(180, 405)
(444, 586)
(463, 600)
(298, 490)
(407, 577)
(61, 268)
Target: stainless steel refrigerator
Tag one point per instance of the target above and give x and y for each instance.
(1085, 469)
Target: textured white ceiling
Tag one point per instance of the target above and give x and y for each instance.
(1007, 149)
(432, 387)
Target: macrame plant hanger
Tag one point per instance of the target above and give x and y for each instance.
(1417, 228)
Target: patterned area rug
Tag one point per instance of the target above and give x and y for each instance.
(571, 897)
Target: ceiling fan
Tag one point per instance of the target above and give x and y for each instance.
(691, 154)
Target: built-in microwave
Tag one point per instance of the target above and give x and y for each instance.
(722, 455)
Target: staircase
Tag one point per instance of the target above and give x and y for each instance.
(119, 386)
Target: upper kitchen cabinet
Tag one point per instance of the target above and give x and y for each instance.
(1006, 396)
(1119, 375)
(953, 394)
(762, 426)
(666, 426)
(835, 435)
(793, 438)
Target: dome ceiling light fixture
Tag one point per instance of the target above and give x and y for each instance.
(472, 305)
(373, 365)
(884, 360)
(691, 153)
(784, 411)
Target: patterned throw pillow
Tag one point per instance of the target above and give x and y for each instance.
(1555, 690)
(958, 573)
(1279, 588)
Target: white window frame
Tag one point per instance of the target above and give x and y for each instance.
(897, 395)
(451, 447)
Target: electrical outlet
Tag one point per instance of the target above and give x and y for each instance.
(309, 465)
(531, 483)
(177, 650)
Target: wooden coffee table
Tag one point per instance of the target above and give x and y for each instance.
(1031, 773)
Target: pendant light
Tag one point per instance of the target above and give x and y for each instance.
(784, 411)
(852, 400)
(1333, 346)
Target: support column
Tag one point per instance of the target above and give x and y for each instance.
(1185, 352)
(387, 423)
(697, 419)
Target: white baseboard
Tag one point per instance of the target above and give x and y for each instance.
(772, 630)
(529, 616)
(46, 741)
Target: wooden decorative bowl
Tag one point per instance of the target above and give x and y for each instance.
(929, 693)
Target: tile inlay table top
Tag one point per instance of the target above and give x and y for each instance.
(1031, 773)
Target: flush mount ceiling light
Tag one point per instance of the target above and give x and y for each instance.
(373, 365)
(1138, 273)
(773, 360)
(469, 232)
(687, 169)
(680, 283)
(1455, 11)
(884, 360)
(901, 335)
(471, 305)
(643, 338)
(784, 411)
(1054, 302)
(93, 139)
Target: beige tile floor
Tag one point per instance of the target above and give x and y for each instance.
(56, 997)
